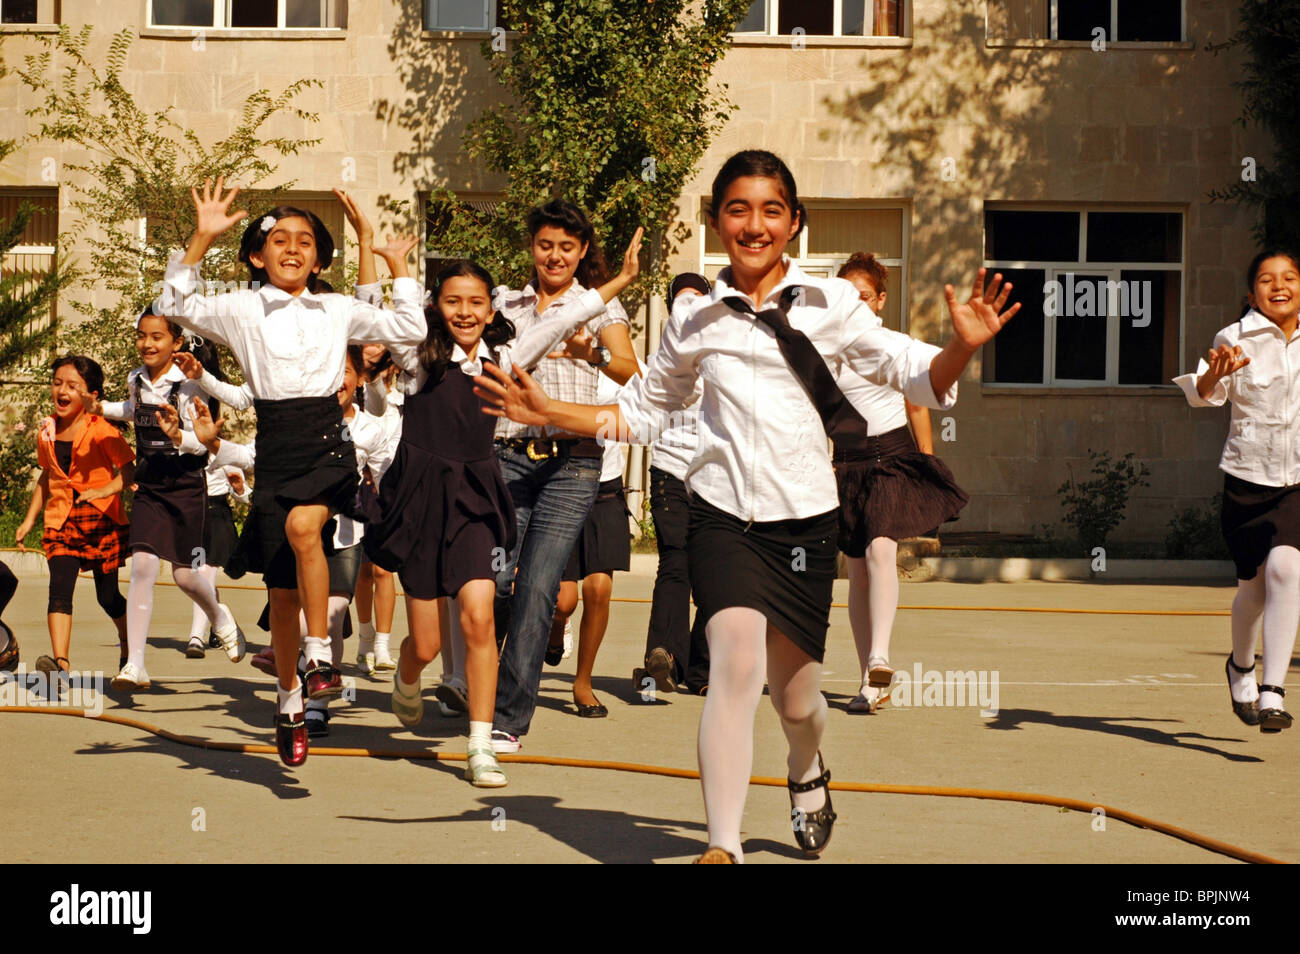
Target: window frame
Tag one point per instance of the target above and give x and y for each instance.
(7, 264)
(1113, 27)
(492, 16)
(1111, 270)
(773, 18)
(832, 263)
(221, 14)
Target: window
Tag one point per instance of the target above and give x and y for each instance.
(28, 11)
(461, 14)
(1100, 294)
(1151, 20)
(33, 256)
(250, 14)
(824, 18)
(834, 232)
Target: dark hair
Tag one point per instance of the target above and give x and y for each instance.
(591, 270)
(173, 327)
(1252, 270)
(357, 358)
(686, 280)
(435, 352)
(254, 241)
(865, 263)
(88, 368)
(756, 162)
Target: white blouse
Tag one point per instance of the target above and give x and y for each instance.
(290, 347)
(762, 451)
(1263, 444)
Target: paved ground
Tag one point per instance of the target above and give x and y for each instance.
(1127, 711)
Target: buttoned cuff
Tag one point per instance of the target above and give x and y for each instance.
(1218, 397)
(372, 293)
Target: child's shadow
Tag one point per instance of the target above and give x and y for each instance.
(1114, 725)
(264, 770)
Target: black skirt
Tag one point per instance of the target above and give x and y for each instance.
(890, 489)
(304, 455)
(169, 510)
(606, 543)
(1255, 519)
(219, 534)
(782, 568)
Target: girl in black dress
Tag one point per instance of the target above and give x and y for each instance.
(447, 521)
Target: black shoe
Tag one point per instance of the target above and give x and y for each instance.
(812, 830)
(213, 641)
(9, 656)
(597, 711)
(1274, 720)
(554, 654)
(1247, 712)
(318, 723)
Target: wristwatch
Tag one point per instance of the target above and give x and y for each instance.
(605, 357)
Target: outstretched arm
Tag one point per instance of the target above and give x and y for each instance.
(973, 323)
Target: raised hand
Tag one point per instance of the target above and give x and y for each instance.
(981, 317)
(396, 248)
(520, 398)
(169, 419)
(213, 209)
(90, 402)
(360, 224)
(581, 347)
(1224, 361)
(189, 365)
(236, 480)
(631, 258)
(206, 429)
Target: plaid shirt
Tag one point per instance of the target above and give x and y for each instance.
(565, 379)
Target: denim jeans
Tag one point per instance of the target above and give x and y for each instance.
(670, 610)
(552, 499)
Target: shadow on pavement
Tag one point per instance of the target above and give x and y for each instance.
(1113, 725)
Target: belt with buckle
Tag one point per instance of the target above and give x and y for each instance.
(535, 447)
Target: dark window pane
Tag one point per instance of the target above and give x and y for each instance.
(1081, 312)
(18, 11)
(260, 14)
(1076, 19)
(1018, 348)
(180, 12)
(456, 15)
(1135, 237)
(1014, 236)
(1148, 336)
(303, 13)
(814, 17)
(853, 17)
(755, 21)
(1154, 20)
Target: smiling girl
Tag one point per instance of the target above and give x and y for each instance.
(1252, 365)
(762, 524)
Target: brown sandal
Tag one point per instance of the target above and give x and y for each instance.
(9, 656)
(714, 855)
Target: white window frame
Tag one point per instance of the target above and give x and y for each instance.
(772, 18)
(830, 264)
(1111, 270)
(1113, 27)
(221, 19)
(489, 19)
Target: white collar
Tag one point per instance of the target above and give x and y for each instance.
(468, 366)
(278, 297)
(170, 376)
(1252, 322)
(722, 287)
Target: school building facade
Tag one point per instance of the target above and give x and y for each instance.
(1071, 144)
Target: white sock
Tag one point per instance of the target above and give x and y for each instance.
(367, 631)
(480, 734)
(381, 642)
(1247, 612)
(1281, 616)
(737, 657)
(317, 705)
(139, 605)
(290, 700)
(316, 649)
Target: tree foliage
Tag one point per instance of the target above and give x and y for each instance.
(1269, 32)
(610, 104)
(133, 164)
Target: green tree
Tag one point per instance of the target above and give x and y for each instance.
(610, 104)
(135, 164)
(1269, 32)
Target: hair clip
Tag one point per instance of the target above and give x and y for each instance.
(428, 298)
(267, 222)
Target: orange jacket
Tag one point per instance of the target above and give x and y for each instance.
(97, 453)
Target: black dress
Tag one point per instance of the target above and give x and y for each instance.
(445, 513)
(169, 510)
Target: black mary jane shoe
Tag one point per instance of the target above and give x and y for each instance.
(1274, 720)
(1247, 712)
(812, 830)
(597, 711)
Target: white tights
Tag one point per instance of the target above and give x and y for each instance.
(1271, 602)
(139, 600)
(199, 623)
(873, 599)
(741, 646)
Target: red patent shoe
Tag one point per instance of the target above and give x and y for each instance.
(291, 738)
(322, 681)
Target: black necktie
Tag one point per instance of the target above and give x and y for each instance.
(837, 413)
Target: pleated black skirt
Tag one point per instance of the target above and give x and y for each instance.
(606, 543)
(890, 489)
(1255, 519)
(219, 534)
(782, 568)
(169, 510)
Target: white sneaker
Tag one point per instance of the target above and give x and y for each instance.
(131, 679)
(367, 664)
(568, 639)
(232, 638)
(383, 661)
(505, 742)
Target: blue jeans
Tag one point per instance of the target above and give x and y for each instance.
(552, 499)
